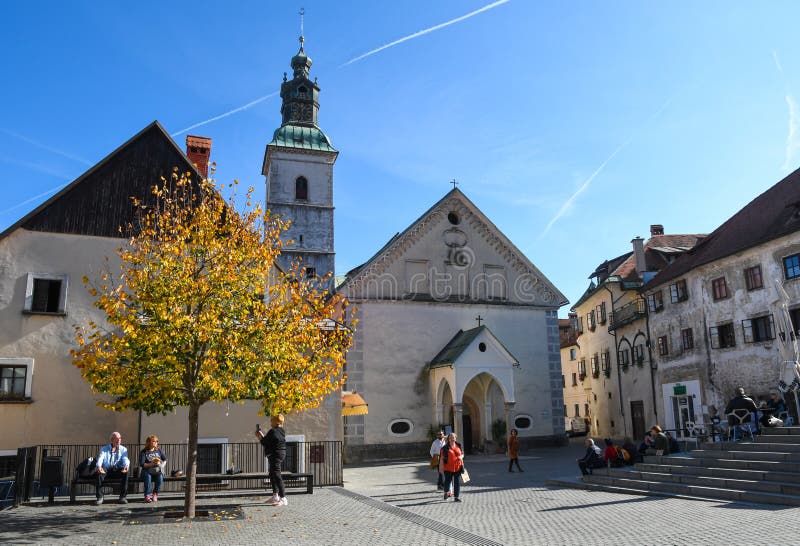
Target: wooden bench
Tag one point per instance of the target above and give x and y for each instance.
(306, 479)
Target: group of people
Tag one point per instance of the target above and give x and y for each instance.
(113, 462)
(447, 458)
(655, 442)
(765, 414)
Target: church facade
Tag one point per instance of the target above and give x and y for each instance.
(457, 329)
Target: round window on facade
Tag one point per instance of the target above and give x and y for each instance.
(401, 427)
(523, 422)
(482, 347)
(454, 218)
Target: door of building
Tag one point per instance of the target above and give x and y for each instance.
(637, 419)
(467, 433)
(682, 413)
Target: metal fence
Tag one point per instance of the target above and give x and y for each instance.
(322, 459)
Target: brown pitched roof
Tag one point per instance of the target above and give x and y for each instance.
(657, 251)
(771, 215)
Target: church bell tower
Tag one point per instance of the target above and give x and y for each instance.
(298, 165)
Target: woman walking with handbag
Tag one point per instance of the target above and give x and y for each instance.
(451, 461)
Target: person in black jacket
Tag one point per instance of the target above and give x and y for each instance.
(592, 459)
(274, 442)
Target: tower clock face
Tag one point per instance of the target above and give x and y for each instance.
(302, 112)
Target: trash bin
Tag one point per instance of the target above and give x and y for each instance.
(52, 474)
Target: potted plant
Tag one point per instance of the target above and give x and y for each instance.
(499, 434)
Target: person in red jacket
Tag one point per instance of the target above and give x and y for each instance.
(451, 461)
(610, 454)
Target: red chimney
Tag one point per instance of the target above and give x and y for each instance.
(198, 150)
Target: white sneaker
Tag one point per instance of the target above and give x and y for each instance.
(283, 502)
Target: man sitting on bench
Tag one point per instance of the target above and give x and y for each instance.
(112, 462)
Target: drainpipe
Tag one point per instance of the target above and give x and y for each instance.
(619, 369)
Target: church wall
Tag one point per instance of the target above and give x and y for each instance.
(401, 337)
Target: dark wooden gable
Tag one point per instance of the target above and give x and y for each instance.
(99, 202)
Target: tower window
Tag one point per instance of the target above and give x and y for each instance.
(301, 92)
(311, 273)
(301, 188)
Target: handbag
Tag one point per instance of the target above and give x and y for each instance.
(434, 462)
(464, 475)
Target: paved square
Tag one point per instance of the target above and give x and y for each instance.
(397, 503)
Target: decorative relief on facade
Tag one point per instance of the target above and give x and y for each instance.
(528, 286)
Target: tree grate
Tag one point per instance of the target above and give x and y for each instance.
(448, 530)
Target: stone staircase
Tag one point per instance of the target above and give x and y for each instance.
(764, 470)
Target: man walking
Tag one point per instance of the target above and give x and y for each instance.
(436, 448)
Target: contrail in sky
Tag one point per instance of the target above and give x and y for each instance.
(356, 59)
(568, 203)
(426, 31)
(226, 114)
(45, 147)
(793, 136)
(48, 192)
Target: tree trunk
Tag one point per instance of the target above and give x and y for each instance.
(191, 462)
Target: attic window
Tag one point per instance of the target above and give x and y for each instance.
(482, 347)
(453, 218)
(301, 92)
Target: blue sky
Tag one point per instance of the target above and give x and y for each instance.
(572, 125)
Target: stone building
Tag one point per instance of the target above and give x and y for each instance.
(721, 321)
(614, 356)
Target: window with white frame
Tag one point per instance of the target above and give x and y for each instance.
(688, 339)
(45, 293)
(401, 427)
(678, 292)
(758, 329)
(525, 422)
(638, 354)
(16, 377)
(722, 336)
(655, 302)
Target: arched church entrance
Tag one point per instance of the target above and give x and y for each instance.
(470, 425)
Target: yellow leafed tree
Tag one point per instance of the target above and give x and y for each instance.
(199, 313)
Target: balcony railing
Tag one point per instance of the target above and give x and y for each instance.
(628, 313)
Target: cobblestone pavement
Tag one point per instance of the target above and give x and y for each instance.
(399, 504)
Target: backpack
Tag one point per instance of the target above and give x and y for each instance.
(86, 468)
(623, 457)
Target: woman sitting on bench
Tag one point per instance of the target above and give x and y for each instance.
(152, 461)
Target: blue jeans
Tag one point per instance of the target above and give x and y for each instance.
(148, 478)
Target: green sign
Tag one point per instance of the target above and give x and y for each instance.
(677, 390)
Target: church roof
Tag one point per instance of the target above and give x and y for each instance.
(456, 346)
(549, 293)
(302, 137)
